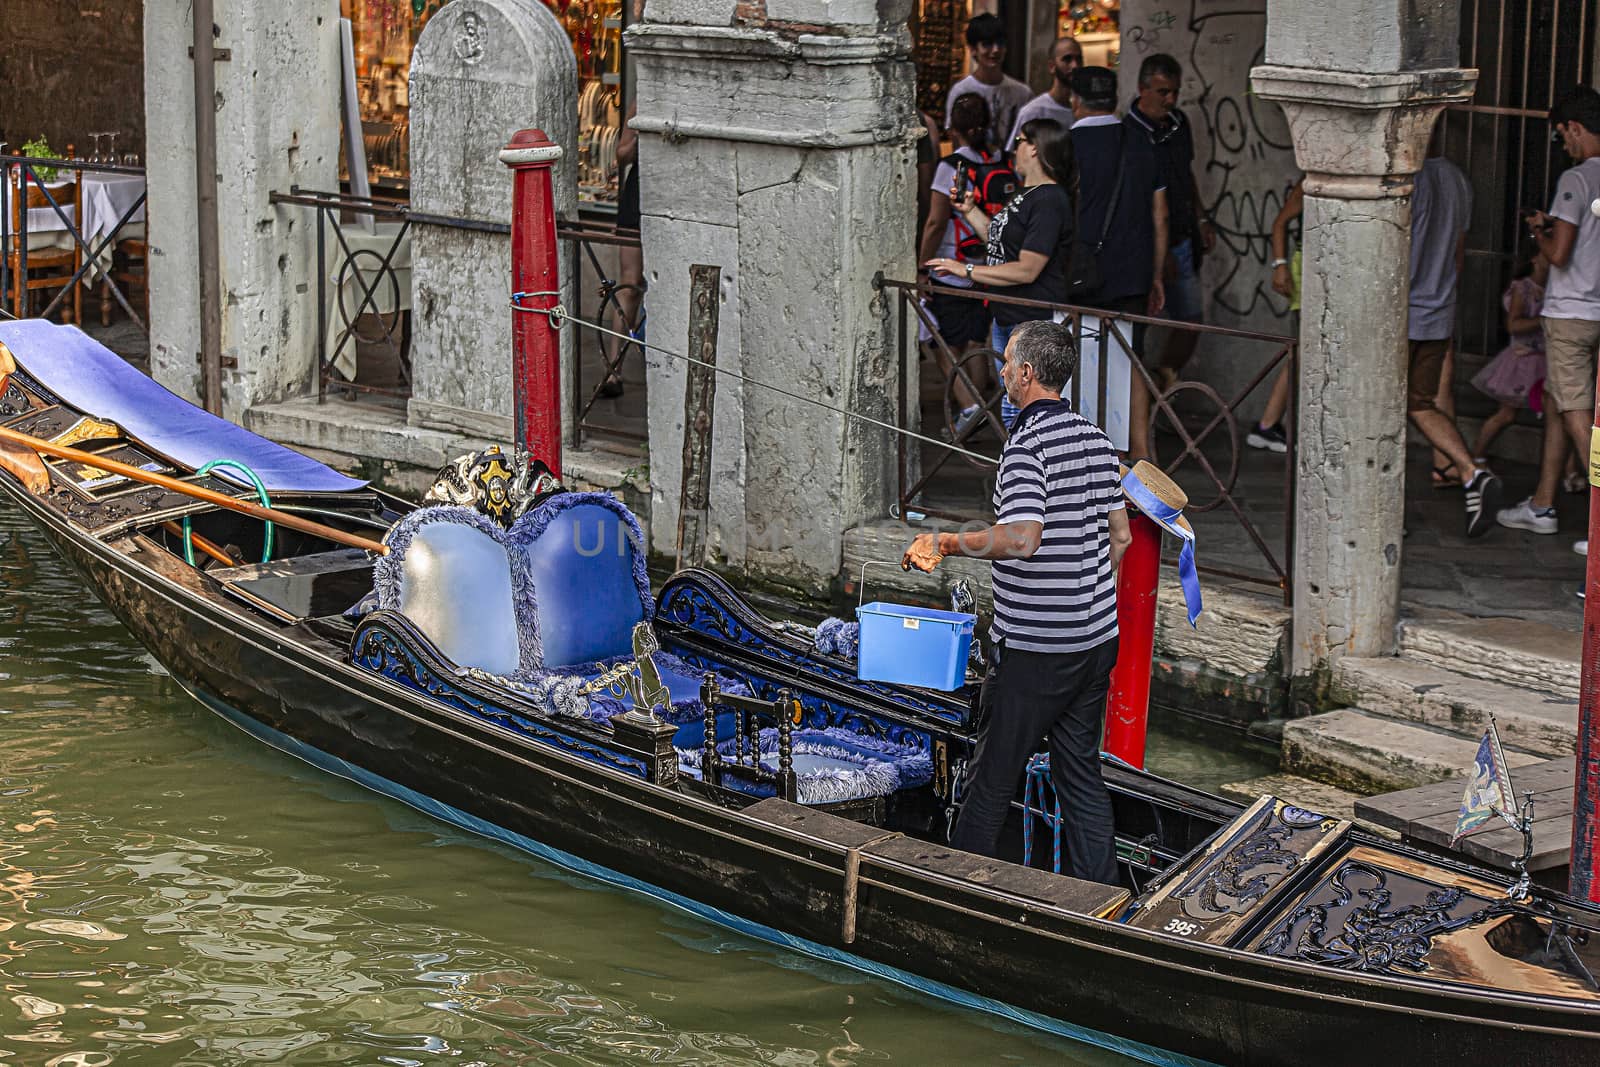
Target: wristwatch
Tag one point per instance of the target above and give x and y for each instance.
(1275, 264)
(969, 272)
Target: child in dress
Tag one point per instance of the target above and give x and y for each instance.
(1511, 377)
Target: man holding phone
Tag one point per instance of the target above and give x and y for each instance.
(1569, 237)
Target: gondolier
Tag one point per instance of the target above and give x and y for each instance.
(1060, 531)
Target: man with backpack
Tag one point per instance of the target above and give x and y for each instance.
(1122, 219)
(986, 36)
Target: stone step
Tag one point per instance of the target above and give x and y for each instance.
(1517, 652)
(1417, 691)
(1367, 754)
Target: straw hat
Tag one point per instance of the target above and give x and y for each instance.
(1163, 489)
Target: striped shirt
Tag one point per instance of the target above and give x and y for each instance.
(1058, 469)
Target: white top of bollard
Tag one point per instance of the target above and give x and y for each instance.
(512, 157)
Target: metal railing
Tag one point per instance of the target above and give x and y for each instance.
(1218, 488)
(365, 274)
(17, 174)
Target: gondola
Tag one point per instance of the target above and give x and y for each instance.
(526, 683)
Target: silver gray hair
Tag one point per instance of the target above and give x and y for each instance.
(1049, 348)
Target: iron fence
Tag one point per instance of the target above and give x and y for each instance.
(93, 252)
(1214, 483)
(364, 280)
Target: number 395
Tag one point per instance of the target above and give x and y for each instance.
(1181, 927)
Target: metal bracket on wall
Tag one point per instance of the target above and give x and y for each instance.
(221, 55)
(227, 361)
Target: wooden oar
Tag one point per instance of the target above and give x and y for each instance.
(221, 500)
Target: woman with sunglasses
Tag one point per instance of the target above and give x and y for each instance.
(1030, 239)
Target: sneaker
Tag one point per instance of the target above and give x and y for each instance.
(1581, 547)
(1483, 500)
(1527, 517)
(1579, 593)
(1271, 438)
(966, 419)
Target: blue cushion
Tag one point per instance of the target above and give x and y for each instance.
(587, 594)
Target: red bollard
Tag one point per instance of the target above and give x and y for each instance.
(1128, 704)
(535, 285)
(1584, 872)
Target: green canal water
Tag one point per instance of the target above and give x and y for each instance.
(172, 892)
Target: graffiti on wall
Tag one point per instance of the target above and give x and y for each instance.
(1244, 160)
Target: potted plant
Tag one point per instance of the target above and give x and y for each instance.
(39, 148)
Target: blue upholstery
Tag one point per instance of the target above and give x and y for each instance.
(581, 559)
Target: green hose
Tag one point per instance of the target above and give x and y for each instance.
(261, 491)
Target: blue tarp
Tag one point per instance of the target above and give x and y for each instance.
(97, 381)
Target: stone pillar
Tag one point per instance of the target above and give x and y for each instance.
(1361, 90)
(277, 125)
(481, 71)
(781, 150)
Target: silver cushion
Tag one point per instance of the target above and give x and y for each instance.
(456, 588)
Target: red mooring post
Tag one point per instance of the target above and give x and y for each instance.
(535, 284)
(1584, 873)
(1128, 704)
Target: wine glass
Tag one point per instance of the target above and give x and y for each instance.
(130, 159)
(111, 154)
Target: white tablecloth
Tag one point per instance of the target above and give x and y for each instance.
(345, 284)
(105, 198)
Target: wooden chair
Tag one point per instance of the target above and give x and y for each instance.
(131, 272)
(50, 264)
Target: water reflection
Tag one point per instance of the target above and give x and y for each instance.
(171, 893)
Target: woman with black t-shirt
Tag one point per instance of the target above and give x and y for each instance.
(1030, 239)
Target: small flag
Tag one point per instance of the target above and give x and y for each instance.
(1488, 791)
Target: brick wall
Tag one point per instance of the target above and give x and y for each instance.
(71, 67)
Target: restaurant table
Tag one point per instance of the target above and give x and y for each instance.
(105, 198)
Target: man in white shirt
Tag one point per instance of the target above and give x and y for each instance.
(986, 36)
(1569, 237)
(1066, 56)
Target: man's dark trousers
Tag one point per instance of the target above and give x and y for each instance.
(1027, 695)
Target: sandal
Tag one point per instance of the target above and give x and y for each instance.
(611, 387)
(1446, 478)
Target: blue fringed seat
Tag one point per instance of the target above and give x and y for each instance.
(831, 765)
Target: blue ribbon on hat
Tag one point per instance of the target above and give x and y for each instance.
(1166, 516)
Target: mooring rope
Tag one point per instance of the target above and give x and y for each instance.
(559, 317)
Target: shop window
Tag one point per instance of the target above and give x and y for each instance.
(385, 31)
(1094, 24)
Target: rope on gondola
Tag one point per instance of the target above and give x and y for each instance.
(559, 317)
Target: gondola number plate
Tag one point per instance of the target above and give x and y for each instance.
(1181, 927)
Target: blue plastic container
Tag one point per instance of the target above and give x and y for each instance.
(914, 646)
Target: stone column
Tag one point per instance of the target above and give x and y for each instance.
(780, 149)
(1361, 90)
(481, 71)
(277, 126)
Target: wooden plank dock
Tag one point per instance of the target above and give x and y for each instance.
(1426, 817)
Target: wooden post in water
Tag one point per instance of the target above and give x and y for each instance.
(699, 403)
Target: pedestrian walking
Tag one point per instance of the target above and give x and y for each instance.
(1568, 235)
(1122, 209)
(986, 37)
(1441, 207)
(1029, 240)
(1155, 114)
(1066, 56)
(1060, 531)
(1268, 432)
(963, 320)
